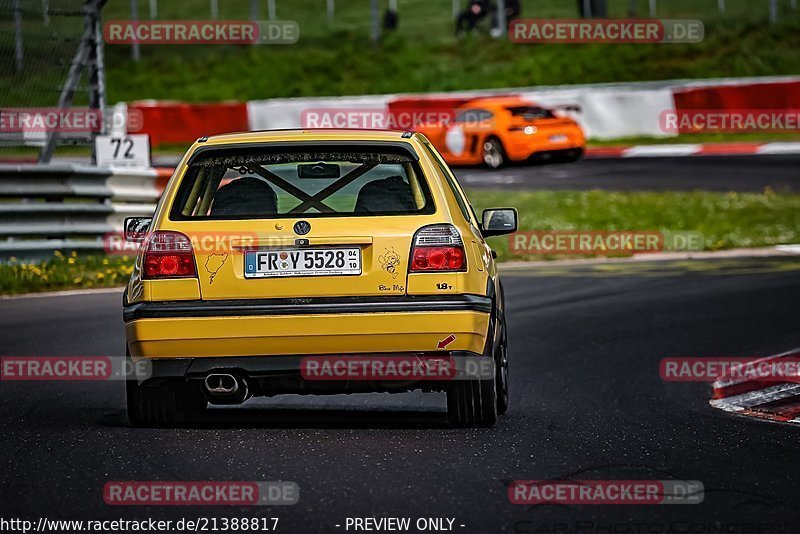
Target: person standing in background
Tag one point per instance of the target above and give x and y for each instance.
(469, 19)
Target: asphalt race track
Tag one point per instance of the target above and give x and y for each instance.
(586, 403)
(710, 173)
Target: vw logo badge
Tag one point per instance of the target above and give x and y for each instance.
(302, 227)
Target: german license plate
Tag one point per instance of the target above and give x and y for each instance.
(302, 262)
(558, 138)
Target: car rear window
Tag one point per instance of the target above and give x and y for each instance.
(531, 112)
(259, 184)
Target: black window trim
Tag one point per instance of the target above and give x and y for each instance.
(300, 145)
(429, 208)
(461, 200)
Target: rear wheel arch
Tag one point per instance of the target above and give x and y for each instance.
(496, 292)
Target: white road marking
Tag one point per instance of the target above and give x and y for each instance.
(779, 148)
(794, 249)
(660, 151)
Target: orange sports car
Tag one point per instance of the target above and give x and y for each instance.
(498, 130)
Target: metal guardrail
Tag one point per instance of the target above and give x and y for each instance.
(44, 208)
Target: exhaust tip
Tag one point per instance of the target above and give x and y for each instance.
(221, 384)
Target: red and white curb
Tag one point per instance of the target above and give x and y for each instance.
(683, 150)
(771, 400)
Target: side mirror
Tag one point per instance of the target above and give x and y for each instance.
(499, 221)
(135, 228)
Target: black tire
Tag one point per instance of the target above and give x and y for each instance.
(472, 403)
(163, 401)
(493, 154)
(501, 367)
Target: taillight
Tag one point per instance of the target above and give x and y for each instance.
(168, 254)
(437, 248)
(528, 130)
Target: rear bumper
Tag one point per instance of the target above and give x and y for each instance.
(288, 327)
(254, 366)
(526, 152)
(277, 375)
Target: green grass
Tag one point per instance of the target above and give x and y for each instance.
(422, 18)
(346, 63)
(726, 220)
(64, 272)
(422, 55)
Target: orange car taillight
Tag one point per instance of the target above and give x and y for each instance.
(437, 248)
(529, 130)
(168, 254)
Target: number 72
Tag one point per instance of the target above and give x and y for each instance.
(118, 142)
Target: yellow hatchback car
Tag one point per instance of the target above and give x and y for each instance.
(314, 262)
